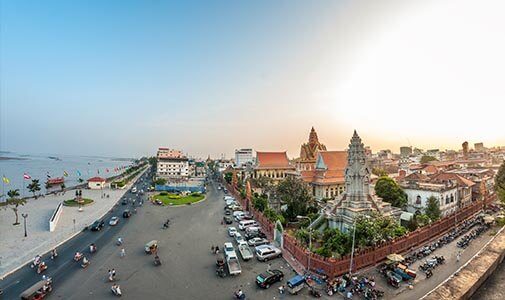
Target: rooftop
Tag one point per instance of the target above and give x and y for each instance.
(272, 160)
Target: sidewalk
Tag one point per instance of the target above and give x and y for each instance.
(16, 250)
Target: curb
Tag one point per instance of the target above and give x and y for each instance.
(2, 277)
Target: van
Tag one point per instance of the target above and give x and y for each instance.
(242, 225)
(252, 229)
(228, 198)
(230, 202)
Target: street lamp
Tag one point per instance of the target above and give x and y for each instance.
(24, 218)
(310, 239)
(352, 250)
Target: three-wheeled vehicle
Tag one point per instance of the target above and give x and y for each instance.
(393, 279)
(220, 267)
(296, 284)
(38, 291)
(151, 247)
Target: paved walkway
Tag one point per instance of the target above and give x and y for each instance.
(16, 250)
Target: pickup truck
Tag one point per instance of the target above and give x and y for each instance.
(233, 264)
(245, 251)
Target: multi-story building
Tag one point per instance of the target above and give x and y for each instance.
(405, 151)
(172, 164)
(327, 179)
(243, 157)
(479, 147)
(419, 192)
(465, 186)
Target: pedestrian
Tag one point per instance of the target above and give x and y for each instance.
(458, 256)
(123, 252)
(113, 272)
(269, 266)
(281, 289)
(212, 249)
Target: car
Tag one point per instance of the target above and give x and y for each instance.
(229, 249)
(238, 237)
(266, 279)
(232, 231)
(127, 213)
(124, 202)
(134, 190)
(227, 220)
(113, 221)
(267, 252)
(257, 241)
(253, 234)
(97, 225)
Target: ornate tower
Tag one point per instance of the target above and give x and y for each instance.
(313, 140)
(357, 173)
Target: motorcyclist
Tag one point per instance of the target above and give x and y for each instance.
(116, 289)
(119, 241)
(239, 294)
(92, 247)
(85, 262)
(42, 266)
(77, 255)
(36, 260)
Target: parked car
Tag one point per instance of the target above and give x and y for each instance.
(238, 237)
(227, 220)
(113, 221)
(266, 279)
(229, 249)
(232, 231)
(127, 213)
(97, 225)
(257, 241)
(254, 234)
(267, 252)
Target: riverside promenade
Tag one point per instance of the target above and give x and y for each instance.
(16, 250)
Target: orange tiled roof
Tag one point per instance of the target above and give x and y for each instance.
(440, 177)
(273, 160)
(334, 160)
(430, 169)
(416, 177)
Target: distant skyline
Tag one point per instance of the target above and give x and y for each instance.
(122, 78)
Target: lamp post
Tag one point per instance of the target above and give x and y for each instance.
(352, 249)
(310, 239)
(24, 219)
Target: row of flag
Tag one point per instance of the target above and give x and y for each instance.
(27, 176)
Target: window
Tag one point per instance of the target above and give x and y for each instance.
(418, 200)
(446, 199)
(452, 198)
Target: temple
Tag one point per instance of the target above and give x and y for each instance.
(358, 198)
(309, 151)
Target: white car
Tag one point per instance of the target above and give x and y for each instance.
(113, 221)
(239, 238)
(267, 252)
(257, 241)
(232, 231)
(229, 250)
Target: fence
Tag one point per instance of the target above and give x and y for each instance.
(369, 257)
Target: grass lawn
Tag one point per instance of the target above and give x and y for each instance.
(174, 199)
(72, 202)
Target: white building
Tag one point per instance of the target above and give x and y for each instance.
(418, 194)
(96, 183)
(243, 156)
(169, 153)
(172, 168)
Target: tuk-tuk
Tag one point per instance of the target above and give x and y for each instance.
(38, 291)
(220, 267)
(296, 284)
(151, 247)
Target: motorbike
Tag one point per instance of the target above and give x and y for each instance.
(429, 273)
(119, 242)
(239, 296)
(157, 261)
(78, 256)
(85, 263)
(92, 248)
(54, 254)
(41, 267)
(116, 290)
(315, 293)
(36, 261)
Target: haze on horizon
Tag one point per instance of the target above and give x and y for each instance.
(121, 78)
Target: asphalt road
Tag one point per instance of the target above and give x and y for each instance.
(188, 269)
(63, 267)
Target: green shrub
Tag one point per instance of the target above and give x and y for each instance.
(163, 194)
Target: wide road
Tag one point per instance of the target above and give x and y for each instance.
(64, 267)
(188, 270)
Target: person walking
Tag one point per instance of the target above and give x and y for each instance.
(123, 252)
(269, 267)
(458, 256)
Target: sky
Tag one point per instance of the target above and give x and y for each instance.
(121, 78)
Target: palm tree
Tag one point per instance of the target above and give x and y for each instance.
(14, 201)
(34, 187)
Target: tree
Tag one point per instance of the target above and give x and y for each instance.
(260, 203)
(499, 183)
(160, 181)
(15, 202)
(390, 191)
(427, 158)
(293, 192)
(432, 209)
(379, 172)
(34, 187)
(228, 177)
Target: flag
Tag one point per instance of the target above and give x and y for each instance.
(65, 173)
(5, 179)
(98, 171)
(78, 173)
(26, 176)
(107, 170)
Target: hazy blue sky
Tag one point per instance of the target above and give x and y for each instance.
(124, 77)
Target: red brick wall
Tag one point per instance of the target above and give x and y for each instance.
(369, 257)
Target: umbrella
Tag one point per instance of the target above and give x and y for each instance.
(488, 219)
(395, 257)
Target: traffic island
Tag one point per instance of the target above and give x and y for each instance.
(175, 199)
(74, 202)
